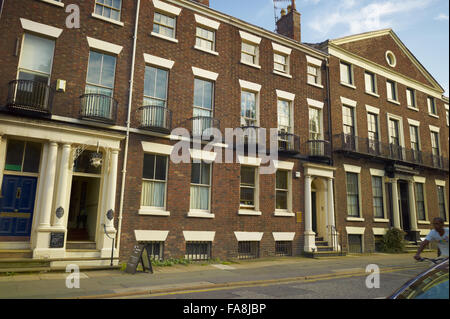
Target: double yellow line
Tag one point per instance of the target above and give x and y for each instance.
(241, 284)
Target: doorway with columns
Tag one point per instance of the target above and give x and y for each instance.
(319, 206)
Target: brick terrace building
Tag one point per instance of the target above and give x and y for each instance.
(86, 125)
(390, 139)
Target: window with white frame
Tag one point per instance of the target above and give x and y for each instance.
(346, 73)
(203, 105)
(249, 53)
(394, 138)
(314, 74)
(108, 8)
(200, 186)
(373, 134)
(280, 62)
(154, 180)
(36, 58)
(435, 149)
(371, 84)
(164, 24)
(352, 194)
(100, 85)
(431, 105)
(315, 132)
(415, 143)
(411, 98)
(248, 187)
(205, 38)
(282, 190)
(377, 194)
(441, 202)
(248, 108)
(391, 88)
(285, 141)
(420, 202)
(155, 86)
(349, 126)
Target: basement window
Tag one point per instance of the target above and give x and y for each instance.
(248, 249)
(198, 250)
(283, 248)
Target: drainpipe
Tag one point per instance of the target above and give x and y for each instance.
(327, 69)
(130, 101)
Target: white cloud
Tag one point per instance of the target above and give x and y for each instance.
(357, 18)
(442, 17)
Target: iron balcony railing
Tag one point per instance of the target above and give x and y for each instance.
(30, 96)
(155, 118)
(202, 126)
(251, 135)
(288, 143)
(98, 107)
(317, 149)
(374, 148)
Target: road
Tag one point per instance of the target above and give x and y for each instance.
(343, 286)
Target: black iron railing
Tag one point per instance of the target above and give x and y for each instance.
(289, 143)
(202, 126)
(251, 135)
(98, 107)
(318, 148)
(155, 118)
(375, 148)
(30, 96)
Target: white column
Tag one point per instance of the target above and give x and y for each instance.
(412, 206)
(111, 201)
(310, 243)
(2, 159)
(47, 196)
(61, 192)
(331, 220)
(395, 205)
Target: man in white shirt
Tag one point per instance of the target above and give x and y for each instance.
(440, 235)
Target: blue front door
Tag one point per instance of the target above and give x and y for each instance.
(17, 205)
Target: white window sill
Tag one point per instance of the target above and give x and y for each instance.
(433, 115)
(371, 93)
(423, 222)
(282, 74)
(413, 108)
(94, 15)
(153, 211)
(55, 3)
(283, 213)
(249, 212)
(315, 84)
(393, 101)
(355, 219)
(164, 37)
(199, 214)
(348, 85)
(206, 50)
(381, 220)
(251, 64)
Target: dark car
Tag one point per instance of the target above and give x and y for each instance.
(431, 284)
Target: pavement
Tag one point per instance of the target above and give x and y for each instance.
(178, 278)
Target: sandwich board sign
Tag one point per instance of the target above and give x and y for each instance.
(139, 255)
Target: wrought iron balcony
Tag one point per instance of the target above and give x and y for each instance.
(319, 149)
(202, 126)
(373, 148)
(31, 96)
(288, 143)
(155, 118)
(98, 107)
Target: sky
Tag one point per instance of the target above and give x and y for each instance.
(422, 25)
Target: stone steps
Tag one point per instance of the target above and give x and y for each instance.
(319, 254)
(16, 253)
(81, 245)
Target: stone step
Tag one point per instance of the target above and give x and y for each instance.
(25, 269)
(321, 243)
(319, 239)
(324, 248)
(84, 245)
(319, 254)
(19, 263)
(16, 253)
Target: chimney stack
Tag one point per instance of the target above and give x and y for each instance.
(289, 24)
(204, 2)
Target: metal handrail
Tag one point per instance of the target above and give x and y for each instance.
(199, 124)
(154, 116)
(288, 142)
(98, 107)
(30, 95)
